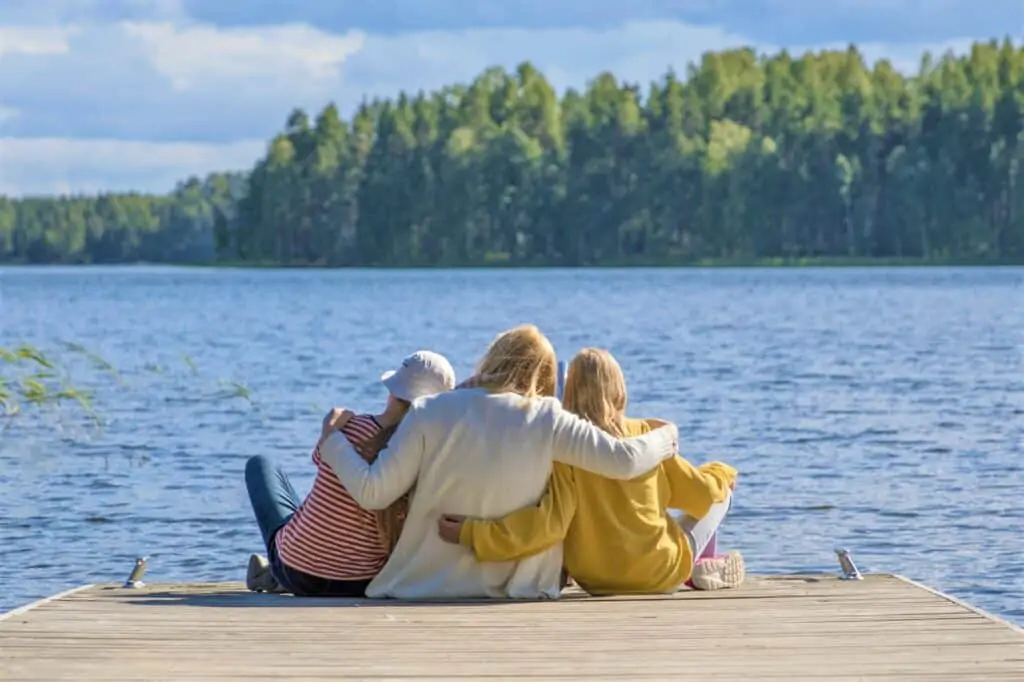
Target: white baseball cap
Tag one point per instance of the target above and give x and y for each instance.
(423, 373)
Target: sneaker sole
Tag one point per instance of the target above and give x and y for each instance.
(726, 573)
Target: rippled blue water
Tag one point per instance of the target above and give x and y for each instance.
(878, 409)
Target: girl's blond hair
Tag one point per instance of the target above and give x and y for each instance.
(595, 389)
(520, 360)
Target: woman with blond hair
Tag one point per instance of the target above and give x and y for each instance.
(645, 535)
(484, 452)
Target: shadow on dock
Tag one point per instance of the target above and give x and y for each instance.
(232, 595)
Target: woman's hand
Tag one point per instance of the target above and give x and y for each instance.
(334, 420)
(449, 527)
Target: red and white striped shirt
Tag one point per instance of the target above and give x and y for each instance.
(330, 535)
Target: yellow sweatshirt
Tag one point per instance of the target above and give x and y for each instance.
(618, 537)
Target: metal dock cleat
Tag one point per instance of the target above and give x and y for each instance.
(849, 568)
(135, 577)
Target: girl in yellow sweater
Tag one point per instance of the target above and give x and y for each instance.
(620, 537)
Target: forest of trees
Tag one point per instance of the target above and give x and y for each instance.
(745, 158)
(120, 228)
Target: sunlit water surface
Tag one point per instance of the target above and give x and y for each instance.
(881, 410)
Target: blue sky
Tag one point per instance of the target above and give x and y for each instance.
(137, 94)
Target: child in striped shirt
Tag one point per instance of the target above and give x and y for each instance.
(328, 545)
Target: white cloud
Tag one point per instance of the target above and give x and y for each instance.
(906, 57)
(35, 40)
(196, 55)
(56, 165)
(169, 81)
(636, 51)
(173, 82)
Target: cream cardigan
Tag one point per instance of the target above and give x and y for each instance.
(482, 455)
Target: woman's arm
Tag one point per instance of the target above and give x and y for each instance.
(695, 489)
(377, 485)
(526, 531)
(580, 443)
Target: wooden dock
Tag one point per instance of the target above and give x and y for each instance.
(774, 628)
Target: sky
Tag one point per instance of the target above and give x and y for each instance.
(135, 95)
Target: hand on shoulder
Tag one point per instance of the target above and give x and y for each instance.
(335, 420)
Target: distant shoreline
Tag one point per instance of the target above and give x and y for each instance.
(696, 264)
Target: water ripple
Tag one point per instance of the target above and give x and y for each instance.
(878, 409)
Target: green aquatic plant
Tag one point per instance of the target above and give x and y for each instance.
(32, 381)
(25, 352)
(97, 361)
(234, 389)
(30, 378)
(7, 404)
(191, 363)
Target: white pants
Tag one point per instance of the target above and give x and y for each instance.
(701, 532)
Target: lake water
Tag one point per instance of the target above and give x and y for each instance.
(877, 409)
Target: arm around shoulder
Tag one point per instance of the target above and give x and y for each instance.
(580, 443)
(378, 485)
(529, 530)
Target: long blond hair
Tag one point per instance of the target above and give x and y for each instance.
(595, 389)
(520, 360)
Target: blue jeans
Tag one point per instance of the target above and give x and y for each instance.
(274, 501)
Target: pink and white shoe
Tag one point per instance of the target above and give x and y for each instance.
(725, 572)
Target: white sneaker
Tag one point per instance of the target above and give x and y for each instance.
(719, 573)
(258, 577)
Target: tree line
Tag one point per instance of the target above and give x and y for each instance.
(745, 157)
(120, 228)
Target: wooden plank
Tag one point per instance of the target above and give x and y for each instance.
(774, 628)
(45, 600)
